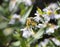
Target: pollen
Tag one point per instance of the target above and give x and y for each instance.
(51, 25)
(28, 22)
(34, 23)
(49, 12)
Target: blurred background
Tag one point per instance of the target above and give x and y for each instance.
(29, 23)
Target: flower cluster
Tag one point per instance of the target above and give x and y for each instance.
(22, 30)
(41, 20)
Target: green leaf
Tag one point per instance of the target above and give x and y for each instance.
(39, 11)
(17, 43)
(1, 10)
(3, 25)
(8, 31)
(23, 42)
(23, 9)
(3, 18)
(39, 34)
(51, 44)
(57, 34)
(16, 36)
(26, 15)
(59, 22)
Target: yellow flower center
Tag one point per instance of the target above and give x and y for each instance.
(49, 12)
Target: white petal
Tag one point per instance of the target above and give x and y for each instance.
(57, 42)
(27, 2)
(15, 16)
(53, 6)
(50, 30)
(46, 18)
(45, 10)
(37, 19)
(41, 26)
(26, 32)
(12, 21)
(44, 43)
(52, 16)
(12, 4)
(56, 27)
(57, 16)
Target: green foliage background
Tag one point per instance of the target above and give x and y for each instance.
(11, 35)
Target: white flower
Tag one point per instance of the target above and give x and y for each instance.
(49, 14)
(56, 41)
(27, 32)
(37, 18)
(13, 18)
(46, 18)
(12, 21)
(27, 2)
(56, 27)
(44, 43)
(51, 29)
(22, 21)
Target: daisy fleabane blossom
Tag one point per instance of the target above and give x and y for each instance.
(44, 43)
(51, 29)
(52, 15)
(27, 32)
(13, 18)
(46, 18)
(37, 18)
